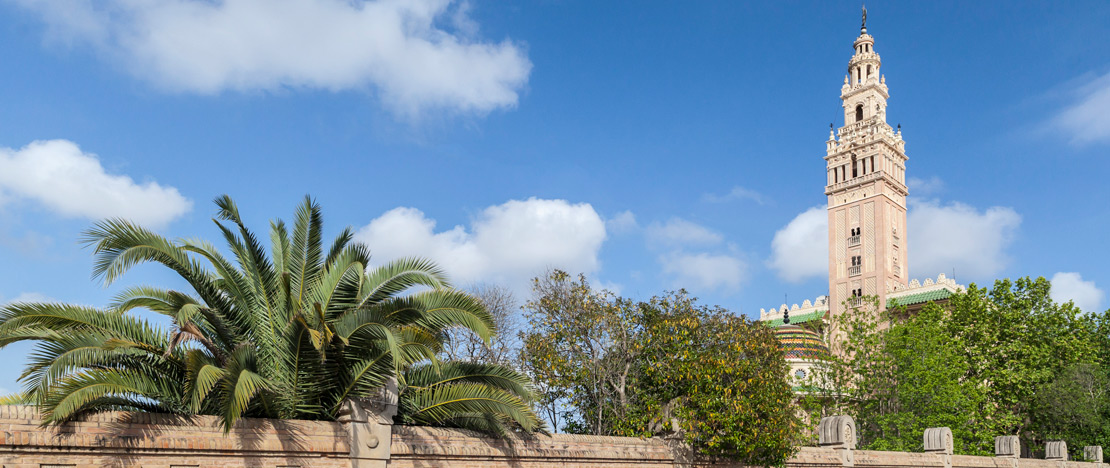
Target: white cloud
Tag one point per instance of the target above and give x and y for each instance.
(694, 271)
(737, 193)
(1086, 119)
(923, 187)
(58, 175)
(401, 49)
(678, 231)
(32, 297)
(1071, 287)
(957, 236)
(703, 271)
(26, 297)
(507, 244)
(800, 250)
(610, 286)
(623, 222)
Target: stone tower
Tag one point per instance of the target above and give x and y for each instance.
(866, 163)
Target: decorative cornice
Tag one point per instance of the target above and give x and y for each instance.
(776, 313)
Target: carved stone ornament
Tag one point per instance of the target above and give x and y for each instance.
(1055, 450)
(939, 440)
(838, 432)
(1093, 453)
(369, 424)
(1007, 446)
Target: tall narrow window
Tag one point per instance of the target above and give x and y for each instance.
(855, 173)
(859, 112)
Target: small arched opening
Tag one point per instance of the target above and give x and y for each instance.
(859, 112)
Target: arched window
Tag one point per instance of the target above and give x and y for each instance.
(859, 112)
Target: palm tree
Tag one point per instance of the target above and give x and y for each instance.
(290, 333)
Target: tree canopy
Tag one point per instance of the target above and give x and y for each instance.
(607, 365)
(1000, 361)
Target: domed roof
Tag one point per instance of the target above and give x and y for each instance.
(800, 343)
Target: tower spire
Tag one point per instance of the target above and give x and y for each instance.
(863, 24)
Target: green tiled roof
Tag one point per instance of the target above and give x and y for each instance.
(796, 319)
(919, 298)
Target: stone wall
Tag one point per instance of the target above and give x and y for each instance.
(425, 447)
(160, 441)
(127, 440)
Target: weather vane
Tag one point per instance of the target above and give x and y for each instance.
(863, 25)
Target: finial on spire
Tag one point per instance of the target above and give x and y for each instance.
(863, 25)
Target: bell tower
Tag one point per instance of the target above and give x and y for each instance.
(866, 188)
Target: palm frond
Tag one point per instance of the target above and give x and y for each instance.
(440, 404)
(399, 275)
(18, 398)
(452, 372)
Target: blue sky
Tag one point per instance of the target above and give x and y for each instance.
(651, 145)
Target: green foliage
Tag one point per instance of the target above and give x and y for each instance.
(928, 389)
(1015, 338)
(720, 377)
(987, 363)
(292, 332)
(1075, 407)
(579, 349)
(663, 367)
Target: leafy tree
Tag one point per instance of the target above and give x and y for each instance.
(928, 370)
(289, 333)
(1016, 339)
(580, 347)
(1075, 407)
(666, 366)
(716, 379)
(857, 378)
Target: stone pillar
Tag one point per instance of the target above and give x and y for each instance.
(1093, 453)
(369, 423)
(1056, 450)
(938, 440)
(1008, 447)
(838, 433)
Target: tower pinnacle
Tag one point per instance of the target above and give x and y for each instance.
(863, 25)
